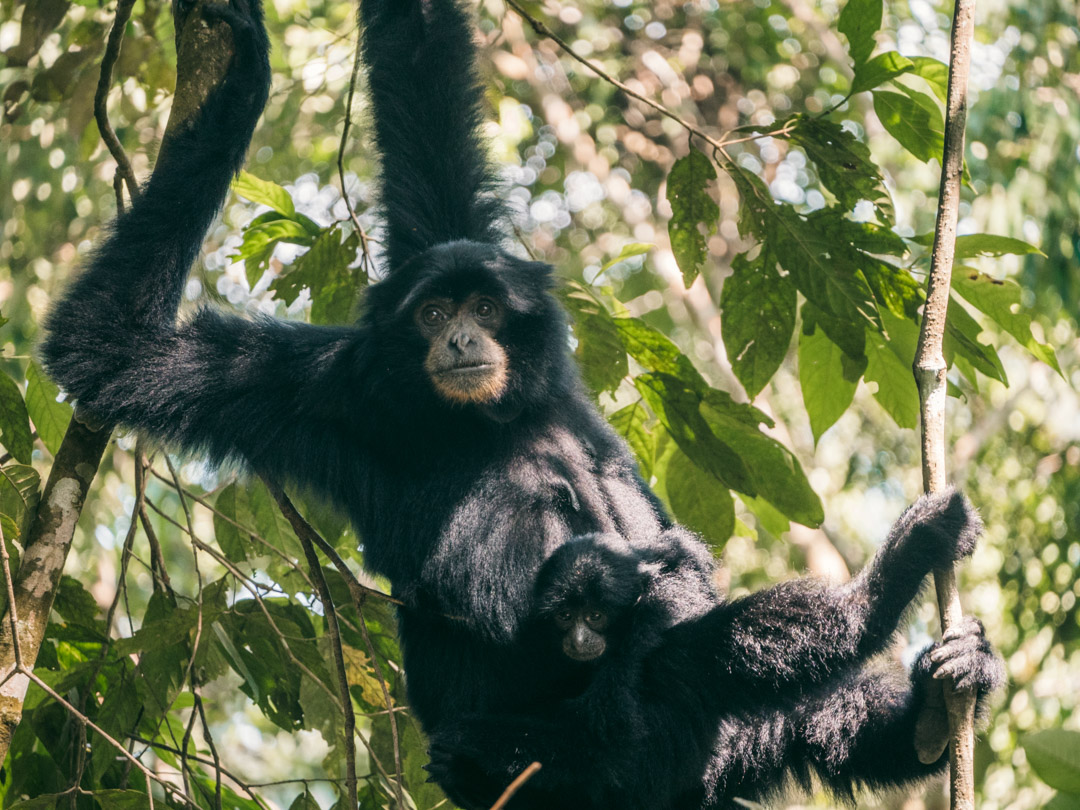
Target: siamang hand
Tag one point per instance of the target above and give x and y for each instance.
(944, 527)
(965, 656)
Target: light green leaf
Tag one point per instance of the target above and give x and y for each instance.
(49, 416)
(1054, 754)
(918, 127)
(264, 192)
(859, 21)
(260, 239)
(985, 244)
(631, 423)
(1000, 300)
(962, 338)
(270, 523)
(934, 73)
(15, 432)
(325, 270)
(757, 308)
(691, 209)
(828, 378)
(896, 389)
(880, 69)
(628, 251)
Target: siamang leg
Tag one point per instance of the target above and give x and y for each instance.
(803, 632)
(261, 389)
(436, 178)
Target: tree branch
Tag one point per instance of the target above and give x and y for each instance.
(930, 370)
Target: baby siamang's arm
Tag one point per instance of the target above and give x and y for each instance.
(260, 389)
(436, 179)
(801, 632)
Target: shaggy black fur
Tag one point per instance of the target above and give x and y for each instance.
(775, 687)
(459, 506)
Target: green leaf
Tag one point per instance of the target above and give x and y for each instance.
(859, 21)
(985, 244)
(1000, 300)
(106, 799)
(880, 69)
(828, 378)
(49, 416)
(264, 192)
(843, 164)
(232, 503)
(696, 499)
(757, 308)
(15, 431)
(655, 351)
(1054, 755)
(260, 239)
(691, 207)
(628, 251)
(631, 423)
(325, 270)
(896, 391)
(962, 338)
(1063, 801)
(271, 525)
(19, 495)
(918, 127)
(934, 73)
(600, 351)
(305, 801)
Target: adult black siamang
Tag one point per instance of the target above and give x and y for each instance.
(449, 422)
(734, 703)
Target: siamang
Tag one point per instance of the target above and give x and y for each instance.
(775, 687)
(449, 423)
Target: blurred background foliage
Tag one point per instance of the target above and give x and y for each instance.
(587, 172)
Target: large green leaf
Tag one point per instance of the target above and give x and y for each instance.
(264, 192)
(882, 68)
(961, 338)
(1055, 756)
(696, 498)
(919, 128)
(233, 506)
(896, 389)
(691, 210)
(15, 432)
(631, 423)
(600, 351)
(828, 377)
(757, 307)
(1000, 300)
(325, 270)
(50, 417)
(859, 21)
(933, 72)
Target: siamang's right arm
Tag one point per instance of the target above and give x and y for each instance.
(802, 632)
(436, 178)
(260, 389)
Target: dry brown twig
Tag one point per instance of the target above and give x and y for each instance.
(930, 372)
(101, 97)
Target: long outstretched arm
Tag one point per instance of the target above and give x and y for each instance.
(225, 385)
(436, 178)
(803, 631)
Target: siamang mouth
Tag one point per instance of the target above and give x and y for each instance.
(471, 369)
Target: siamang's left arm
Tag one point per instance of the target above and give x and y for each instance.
(436, 177)
(802, 632)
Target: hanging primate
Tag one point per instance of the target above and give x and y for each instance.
(772, 688)
(449, 422)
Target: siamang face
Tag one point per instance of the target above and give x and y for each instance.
(583, 628)
(465, 361)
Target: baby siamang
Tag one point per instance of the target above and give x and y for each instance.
(775, 687)
(449, 422)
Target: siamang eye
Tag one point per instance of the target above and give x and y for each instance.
(563, 616)
(595, 616)
(485, 309)
(432, 315)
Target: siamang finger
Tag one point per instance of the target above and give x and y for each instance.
(969, 625)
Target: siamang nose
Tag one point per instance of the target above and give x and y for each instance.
(461, 340)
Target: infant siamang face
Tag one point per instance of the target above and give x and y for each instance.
(465, 362)
(583, 629)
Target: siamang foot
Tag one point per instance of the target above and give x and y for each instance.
(460, 775)
(965, 657)
(944, 526)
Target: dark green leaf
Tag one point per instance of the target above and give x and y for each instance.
(631, 423)
(1000, 300)
(961, 338)
(270, 523)
(757, 308)
(600, 351)
(691, 209)
(828, 378)
(49, 416)
(15, 431)
(985, 244)
(696, 498)
(1054, 755)
(843, 164)
(265, 193)
(859, 21)
(260, 239)
(325, 270)
(896, 389)
(1063, 801)
(880, 69)
(305, 801)
(232, 503)
(18, 496)
(655, 351)
(918, 127)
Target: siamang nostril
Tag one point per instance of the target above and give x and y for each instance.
(461, 340)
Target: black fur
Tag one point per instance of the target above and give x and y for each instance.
(458, 506)
(777, 687)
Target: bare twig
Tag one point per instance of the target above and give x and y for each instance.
(101, 96)
(930, 374)
(515, 786)
(365, 248)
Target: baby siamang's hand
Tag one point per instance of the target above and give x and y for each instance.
(966, 657)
